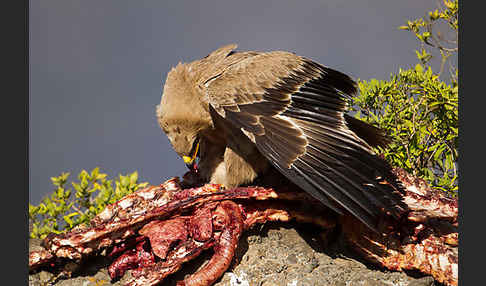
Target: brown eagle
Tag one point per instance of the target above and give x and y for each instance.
(248, 114)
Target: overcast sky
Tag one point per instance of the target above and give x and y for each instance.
(97, 68)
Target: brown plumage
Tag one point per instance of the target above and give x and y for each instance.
(252, 113)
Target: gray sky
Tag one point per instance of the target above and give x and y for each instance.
(97, 68)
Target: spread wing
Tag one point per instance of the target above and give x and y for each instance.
(293, 110)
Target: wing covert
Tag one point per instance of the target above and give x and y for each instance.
(293, 110)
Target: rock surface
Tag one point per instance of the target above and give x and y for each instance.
(272, 254)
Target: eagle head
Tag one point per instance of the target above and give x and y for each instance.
(181, 116)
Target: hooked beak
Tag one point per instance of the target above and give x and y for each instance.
(191, 161)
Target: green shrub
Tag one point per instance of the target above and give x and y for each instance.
(417, 109)
(61, 211)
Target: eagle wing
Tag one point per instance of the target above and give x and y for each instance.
(292, 109)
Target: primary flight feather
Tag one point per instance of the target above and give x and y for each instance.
(245, 114)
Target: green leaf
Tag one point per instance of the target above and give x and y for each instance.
(68, 220)
(419, 68)
(434, 15)
(82, 175)
(124, 181)
(94, 173)
(133, 177)
(55, 181)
